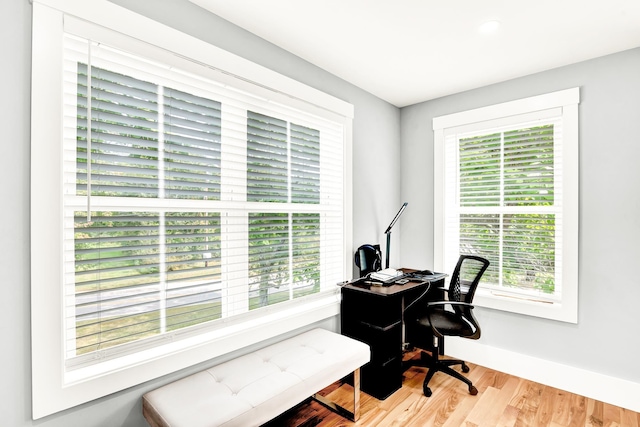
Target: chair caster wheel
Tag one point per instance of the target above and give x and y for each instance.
(472, 390)
(427, 391)
(465, 368)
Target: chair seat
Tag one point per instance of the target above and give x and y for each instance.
(447, 323)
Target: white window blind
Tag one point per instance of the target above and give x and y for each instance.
(187, 203)
(508, 208)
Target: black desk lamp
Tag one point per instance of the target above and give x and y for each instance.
(388, 232)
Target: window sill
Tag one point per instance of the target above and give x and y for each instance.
(561, 311)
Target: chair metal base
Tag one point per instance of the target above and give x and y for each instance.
(434, 364)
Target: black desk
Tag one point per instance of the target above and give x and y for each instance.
(373, 314)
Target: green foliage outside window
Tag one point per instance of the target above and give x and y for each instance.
(506, 182)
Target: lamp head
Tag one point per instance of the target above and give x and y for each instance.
(395, 218)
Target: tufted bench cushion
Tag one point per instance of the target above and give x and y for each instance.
(256, 387)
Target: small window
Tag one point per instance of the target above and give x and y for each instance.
(507, 184)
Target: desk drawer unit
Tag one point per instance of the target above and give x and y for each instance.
(375, 320)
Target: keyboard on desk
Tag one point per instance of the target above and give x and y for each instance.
(424, 277)
(387, 278)
(416, 276)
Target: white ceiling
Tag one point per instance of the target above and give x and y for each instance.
(409, 51)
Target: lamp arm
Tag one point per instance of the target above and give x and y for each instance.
(388, 231)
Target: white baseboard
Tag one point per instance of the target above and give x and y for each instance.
(590, 384)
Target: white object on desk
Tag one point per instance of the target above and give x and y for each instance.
(386, 274)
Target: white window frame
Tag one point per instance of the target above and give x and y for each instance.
(54, 388)
(566, 102)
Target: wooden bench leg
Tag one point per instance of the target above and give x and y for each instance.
(353, 416)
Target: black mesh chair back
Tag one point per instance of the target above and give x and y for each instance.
(462, 287)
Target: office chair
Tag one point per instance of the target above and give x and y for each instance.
(453, 317)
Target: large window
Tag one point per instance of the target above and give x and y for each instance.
(507, 191)
(181, 210)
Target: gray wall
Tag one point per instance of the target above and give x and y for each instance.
(605, 340)
(376, 134)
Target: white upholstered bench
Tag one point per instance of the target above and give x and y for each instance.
(255, 388)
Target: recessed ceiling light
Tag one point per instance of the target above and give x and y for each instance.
(489, 27)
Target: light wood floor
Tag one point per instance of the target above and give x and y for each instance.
(502, 400)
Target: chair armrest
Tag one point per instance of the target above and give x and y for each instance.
(462, 303)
